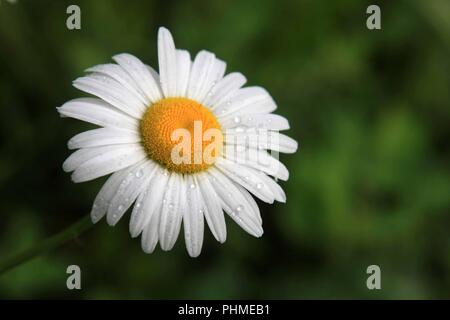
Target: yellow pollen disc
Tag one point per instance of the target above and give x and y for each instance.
(181, 127)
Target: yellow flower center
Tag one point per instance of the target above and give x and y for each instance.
(181, 134)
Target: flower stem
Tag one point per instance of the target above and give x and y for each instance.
(46, 245)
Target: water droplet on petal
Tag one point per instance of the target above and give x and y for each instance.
(259, 185)
(139, 173)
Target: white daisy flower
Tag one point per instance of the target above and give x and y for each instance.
(144, 115)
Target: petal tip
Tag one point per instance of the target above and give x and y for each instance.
(164, 32)
(194, 254)
(95, 218)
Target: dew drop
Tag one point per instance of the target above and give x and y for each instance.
(259, 185)
(120, 208)
(139, 173)
(237, 119)
(192, 186)
(239, 208)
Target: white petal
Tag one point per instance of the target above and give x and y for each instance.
(103, 137)
(193, 218)
(264, 121)
(167, 63)
(119, 157)
(183, 71)
(214, 76)
(98, 112)
(77, 158)
(206, 71)
(249, 100)
(150, 233)
(277, 191)
(261, 139)
(141, 75)
(107, 192)
(171, 216)
(129, 189)
(256, 159)
(224, 89)
(213, 209)
(252, 202)
(112, 92)
(247, 178)
(235, 204)
(154, 74)
(117, 73)
(149, 202)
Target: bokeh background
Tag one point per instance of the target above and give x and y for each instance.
(369, 185)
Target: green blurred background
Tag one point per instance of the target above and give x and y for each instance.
(369, 185)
